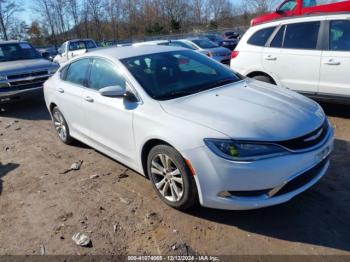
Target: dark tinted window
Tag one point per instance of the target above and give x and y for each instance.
(77, 72)
(20, 51)
(103, 74)
(203, 43)
(278, 39)
(302, 35)
(168, 75)
(181, 44)
(340, 35)
(260, 38)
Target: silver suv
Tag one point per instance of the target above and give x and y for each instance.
(22, 70)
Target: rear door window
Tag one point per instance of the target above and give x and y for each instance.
(260, 37)
(340, 35)
(277, 41)
(302, 35)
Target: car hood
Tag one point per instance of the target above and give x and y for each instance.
(250, 110)
(19, 66)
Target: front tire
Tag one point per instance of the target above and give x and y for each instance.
(61, 126)
(171, 177)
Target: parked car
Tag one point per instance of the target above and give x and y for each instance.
(22, 70)
(213, 50)
(220, 41)
(73, 48)
(303, 7)
(231, 35)
(198, 130)
(48, 53)
(310, 55)
(179, 43)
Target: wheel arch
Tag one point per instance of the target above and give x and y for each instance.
(260, 73)
(147, 147)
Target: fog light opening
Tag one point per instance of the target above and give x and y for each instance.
(224, 194)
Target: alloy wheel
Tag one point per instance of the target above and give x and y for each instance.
(60, 125)
(168, 178)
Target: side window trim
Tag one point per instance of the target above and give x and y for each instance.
(274, 34)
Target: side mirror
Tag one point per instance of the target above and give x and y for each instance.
(113, 91)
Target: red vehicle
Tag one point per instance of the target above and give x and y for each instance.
(303, 7)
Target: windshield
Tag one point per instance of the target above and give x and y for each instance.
(215, 38)
(77, 45)
(203, 43)
(175, 74)
(17, 51)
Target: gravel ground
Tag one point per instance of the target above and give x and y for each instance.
(41, 208)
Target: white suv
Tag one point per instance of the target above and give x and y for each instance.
(309, 54)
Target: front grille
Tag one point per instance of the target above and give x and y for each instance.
(25, 84)
(307, 141)
(303, 179)
(24, 75)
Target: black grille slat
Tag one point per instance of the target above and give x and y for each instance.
(302, 143)
(24, 75)
(25, 84)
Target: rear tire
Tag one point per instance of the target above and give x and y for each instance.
(265, 79)
(61, 126)
(171, 177)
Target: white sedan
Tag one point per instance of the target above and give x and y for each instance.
(200, 132)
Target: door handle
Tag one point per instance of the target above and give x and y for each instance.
(60, 90)
(332, 62)
(89, 99)
(270, 58)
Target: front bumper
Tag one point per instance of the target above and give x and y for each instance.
(270, 181)
(17, 94)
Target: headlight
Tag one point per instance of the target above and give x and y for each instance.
(3, 78)
(244, 151)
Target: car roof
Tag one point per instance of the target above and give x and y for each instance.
(154, 42)
(131, 51)
(303, 18)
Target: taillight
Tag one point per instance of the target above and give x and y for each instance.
(234, 54)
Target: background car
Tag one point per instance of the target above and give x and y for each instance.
(23, 70)
(231, 35)
(310, 55)
(303, 7)
(199, 131)
(218, 53)
(73, 48)
(48, 53)
(227, 43)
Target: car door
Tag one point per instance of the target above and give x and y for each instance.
(69, 94)
(110, 118)
(293, 56)
(335, 64)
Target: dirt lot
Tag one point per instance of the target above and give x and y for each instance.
(40, 208)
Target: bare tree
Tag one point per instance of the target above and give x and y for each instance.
(8, 8)
(46, 9)
(73, 9)
(261, 6)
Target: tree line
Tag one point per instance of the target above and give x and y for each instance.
(59, 20)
